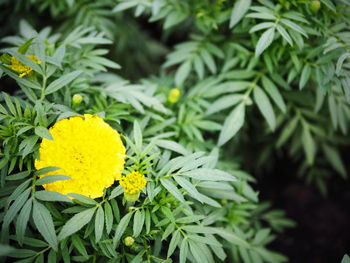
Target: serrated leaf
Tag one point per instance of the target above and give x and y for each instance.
(15, 207)
(62, 81)
(274, 93)
(209, 175)
(83, 199)
(183, 250)
(238, 11)
(232, 124)
(334, 158)
(265, 107)
(51, 178)
(305, 75)
(76, 223)
(167, 183)
(51, 196)
(182, 73)
(22, 221)
(43, 132)
(139, 219)
(44, 223)
(264, 41)
(108, 217)
(99, 223)
(308, 145)
(124, 222)
(189, 187)
(174, 242)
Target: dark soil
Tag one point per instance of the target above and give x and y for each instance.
(322, 234)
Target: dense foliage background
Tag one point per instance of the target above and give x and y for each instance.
(259, 89)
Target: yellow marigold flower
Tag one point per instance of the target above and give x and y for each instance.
(174, 95)
(133, 182)
(86, 149)
(21, 68)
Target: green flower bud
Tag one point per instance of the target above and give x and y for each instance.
(315, 6)
(223, 201)
(131, 197)
(174, 95)
(129, 241)
(77, 99)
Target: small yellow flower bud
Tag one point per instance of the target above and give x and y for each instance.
(315, 6)
(174, 95)
(77, 99)
(129, 241)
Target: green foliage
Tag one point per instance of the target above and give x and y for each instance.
(254, 73)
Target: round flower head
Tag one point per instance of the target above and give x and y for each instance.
(133, 182)
(86, 149)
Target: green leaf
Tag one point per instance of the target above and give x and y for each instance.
(287, 131)
(285, 34)
(139, 219)
(79, 245)
(232, 124)
(238, 11)
(224, 103)
(173, 146)
(83, 199)
(209, 175)
(265, 106)
(24, 47)
(294, 26)
(305, 75)
(5, 250)
(108, 217)
(329, 4)
(174, 242)
(46, 170)
(264, 41)
(199, 229)
(205, 240)
(168, 184)
(43, 222)
(346, 259)
(46, 195)
(124, 222)
(99, 223)
(231, 237)
(183, 250)
(174, 18)
(274, 93)
(27, 145)
(335, 160)
(308, 144)
(22, 221)
(76, 223)
(137, 135)
(189, 187)
(15, 207)
(51, 178)
(182, 73)
(62, 81)
(197, 253)
(43, 132)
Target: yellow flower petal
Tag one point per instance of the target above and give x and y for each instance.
(86, 149)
